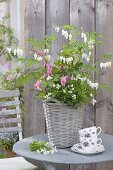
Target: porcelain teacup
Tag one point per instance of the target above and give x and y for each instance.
(90, 143)
(90, 132)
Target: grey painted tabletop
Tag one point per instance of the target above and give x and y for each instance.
(65, 156)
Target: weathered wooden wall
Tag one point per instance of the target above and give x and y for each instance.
(92, 15)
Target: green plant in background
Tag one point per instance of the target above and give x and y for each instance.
(2, 152)
(68, 79)
(7, 140)
(6, 143)
(3, 1)
(7, 39)
(8, 80)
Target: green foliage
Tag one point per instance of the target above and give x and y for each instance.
(106, 87)
(14, 75)
(7, 39)
(40, 44)
(3, 155)
(67, 79)
(6, 143)
(41, 147)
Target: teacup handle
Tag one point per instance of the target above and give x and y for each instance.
(99, 141)
(98, 130)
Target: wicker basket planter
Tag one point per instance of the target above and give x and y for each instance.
(62, 123)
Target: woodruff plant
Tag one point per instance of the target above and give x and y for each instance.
(68, 78)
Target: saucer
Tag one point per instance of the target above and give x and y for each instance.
(79, 149)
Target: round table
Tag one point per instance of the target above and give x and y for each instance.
(64, 156)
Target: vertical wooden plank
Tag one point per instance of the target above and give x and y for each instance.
(57, 13)
(34, 28)
(17, 19)
(82, 14)
(104, 111)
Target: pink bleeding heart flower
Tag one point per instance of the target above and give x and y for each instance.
(44, 63)
(7, 66)
(9, 77)
(41, 53)
(37, 84)
(63, 80)
(49, 69)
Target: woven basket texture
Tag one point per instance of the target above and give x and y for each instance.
(63, 123)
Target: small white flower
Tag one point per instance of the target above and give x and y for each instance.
(85, 38)
(65, 34)
(48, 96)
(104, 65)
(18, 51)
(74, 96)
(91, 95)
(84, 55)
(83, 35)
(94, 102)
(70, 91)
(53, 85)
(57, 29)
(82, 78)
(9, 50)
(78, 77)
(70, 36)
(39, 58)
(88, 59)
(35, 56)
(46, 51)
(71, 85)
(49, 78)
(15, 52)
(91, 44)
(90, 53)
(96, 85)
(58, 86)
(63, 59)
(92, 85)
(69, 60)
(48, 57)
(73, 78)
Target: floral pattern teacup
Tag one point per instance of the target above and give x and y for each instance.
(90, 132)
(90, 143)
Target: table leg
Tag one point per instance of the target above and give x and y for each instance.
(48, 166)
(82, 167)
